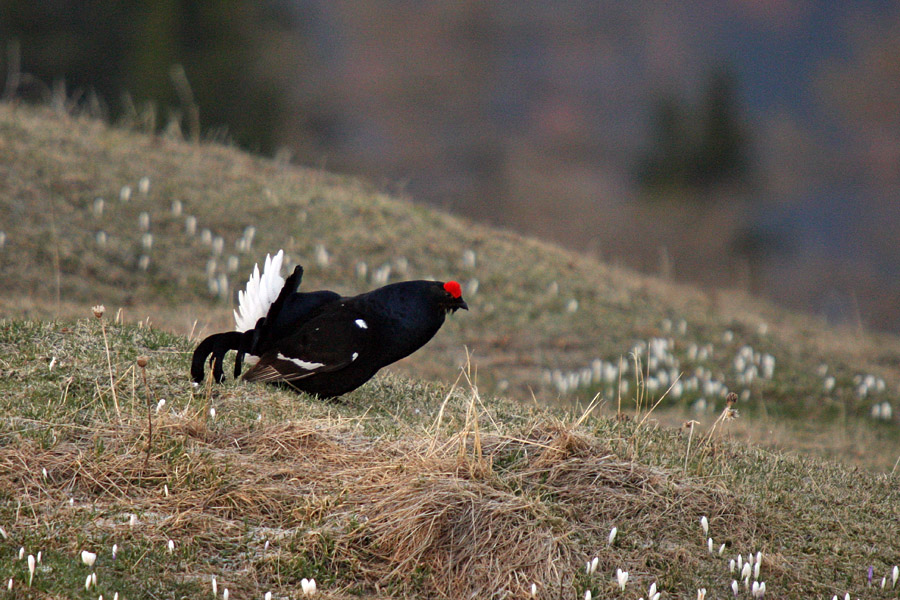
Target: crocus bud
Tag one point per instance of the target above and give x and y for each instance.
(88, 558)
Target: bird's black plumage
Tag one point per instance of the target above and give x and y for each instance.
(329, 345)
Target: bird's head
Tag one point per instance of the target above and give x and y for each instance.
(450, 297)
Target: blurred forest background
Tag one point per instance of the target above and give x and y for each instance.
(743, 143)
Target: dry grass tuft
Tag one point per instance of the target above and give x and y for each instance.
(406, 515)
(422, 520)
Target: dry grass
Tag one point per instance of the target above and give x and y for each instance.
(391, 516)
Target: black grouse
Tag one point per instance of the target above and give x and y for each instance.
(320, 342)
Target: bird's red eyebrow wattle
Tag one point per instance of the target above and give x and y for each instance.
(453, 288)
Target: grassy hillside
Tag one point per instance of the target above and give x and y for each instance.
(403, 489)
(412, 486)
(167, 231)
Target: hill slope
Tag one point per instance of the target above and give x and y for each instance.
(81, 228)
(402, 490)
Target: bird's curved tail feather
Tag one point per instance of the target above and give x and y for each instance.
(214, 348)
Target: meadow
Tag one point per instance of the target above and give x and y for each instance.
(573, 398)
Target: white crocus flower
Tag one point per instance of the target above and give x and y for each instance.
(704, 524)
(88, 558)
(308, 586)
(622, 578)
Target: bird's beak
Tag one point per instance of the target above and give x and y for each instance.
(456, 304)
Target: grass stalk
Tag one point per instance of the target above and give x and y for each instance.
(142, 363)
(98, 313)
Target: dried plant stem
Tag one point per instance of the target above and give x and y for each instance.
(186, 96)
(112, 382)
(471, 429)
(722, 417)
(440, 416)
(661, 398)
(619, 389)
(687, 454)
(640, 385)
(595, 402)
(728, 413)
(149, 411)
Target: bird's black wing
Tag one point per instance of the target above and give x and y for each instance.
(328, 342)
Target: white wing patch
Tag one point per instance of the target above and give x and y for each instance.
(261, 291)
(354, 357)
(309, 366)
(361, 324)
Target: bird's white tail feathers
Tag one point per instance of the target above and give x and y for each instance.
(261, 292)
